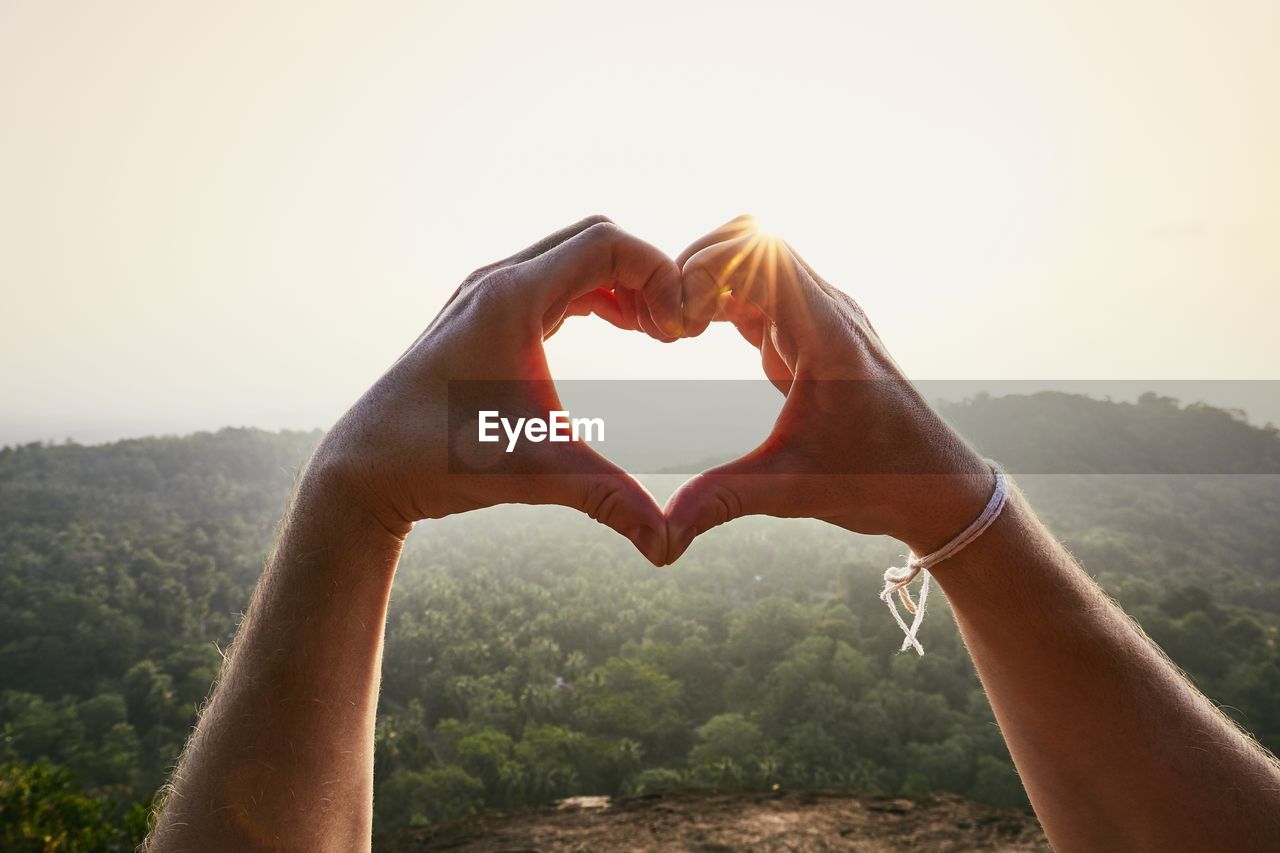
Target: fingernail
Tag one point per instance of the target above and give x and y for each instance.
(651, 543)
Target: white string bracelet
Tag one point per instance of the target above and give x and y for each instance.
(896, 578)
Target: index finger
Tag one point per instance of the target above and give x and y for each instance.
(736, 227)
(761, 269)
(603, 256)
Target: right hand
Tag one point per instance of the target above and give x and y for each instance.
(855, 444)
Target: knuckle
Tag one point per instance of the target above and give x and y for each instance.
(698, 277)
(596, 219)
(481, 293)
(479, 274)
(602, 232)
(729, 504)
(607, 508)
(489, 295)
(599, 500)
(700, 284)
(497, 277)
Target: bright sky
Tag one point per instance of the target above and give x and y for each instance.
(239, 213)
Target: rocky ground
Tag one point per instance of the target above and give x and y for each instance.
(706, 821)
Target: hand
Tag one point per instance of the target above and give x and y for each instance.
(388, 455)
(855, 444)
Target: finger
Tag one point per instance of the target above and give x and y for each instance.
(601, 302)
(527, 253)
(746, 318)
(731, 230)
(608, 305)
(760, 332)
(627, 305)
(760, 270)
(608, 494)
(775, 366)
(755, 484)
(549, 242)
(649, 323)
(603, 255)
(700, 294)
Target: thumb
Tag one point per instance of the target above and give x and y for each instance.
(611, 496)
(753, 484)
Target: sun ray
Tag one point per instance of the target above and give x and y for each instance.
(738, 257)
(758, 252)
(771, 273)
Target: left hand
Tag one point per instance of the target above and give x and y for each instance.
(388, 455)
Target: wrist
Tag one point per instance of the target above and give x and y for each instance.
(932, 509)
(336, 490)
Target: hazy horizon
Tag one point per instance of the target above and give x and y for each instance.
(659, 419)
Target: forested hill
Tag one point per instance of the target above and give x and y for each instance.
(1055, 433)
(532, 655)
(231, 476)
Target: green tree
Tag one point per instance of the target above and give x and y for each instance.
(486, 755)
(629, 698)
(730, 738)
(43, 810)
(418, 798)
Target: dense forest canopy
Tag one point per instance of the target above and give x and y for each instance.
(532, 654)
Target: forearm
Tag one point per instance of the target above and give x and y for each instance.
(282, 757)
(1115, 748)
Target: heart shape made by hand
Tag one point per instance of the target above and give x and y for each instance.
(854, 444)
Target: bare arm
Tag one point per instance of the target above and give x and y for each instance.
(1116, 749)
(282, 757)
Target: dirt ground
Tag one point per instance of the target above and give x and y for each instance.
(706, 822)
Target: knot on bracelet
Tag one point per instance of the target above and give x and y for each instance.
(897, 578)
